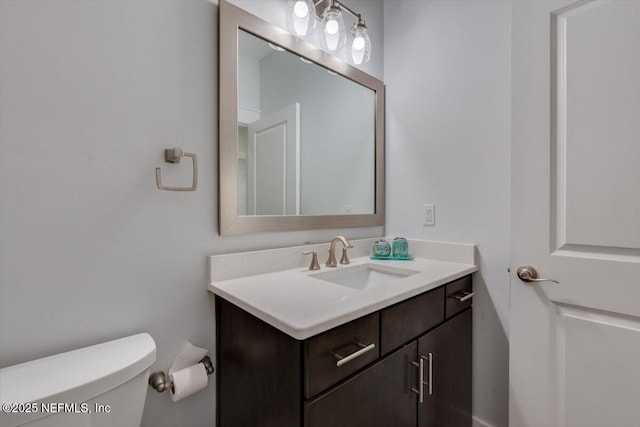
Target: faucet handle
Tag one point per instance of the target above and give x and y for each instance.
(345, 258)
(314, 260)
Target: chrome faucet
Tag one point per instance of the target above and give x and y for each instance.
(331, 262)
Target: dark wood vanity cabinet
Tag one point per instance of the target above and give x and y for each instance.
(267, 378)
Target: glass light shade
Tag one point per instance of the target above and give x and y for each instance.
(360, 45)
(301, 17)
(332, 35)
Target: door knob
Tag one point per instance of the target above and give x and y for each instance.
(528, 274)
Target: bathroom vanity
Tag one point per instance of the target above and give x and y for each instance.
(402, 358)
(371, 343)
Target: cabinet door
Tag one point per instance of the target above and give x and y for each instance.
(379, 396)
(447, 400)
(258, 371)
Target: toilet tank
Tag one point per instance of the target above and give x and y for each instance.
(104, 385)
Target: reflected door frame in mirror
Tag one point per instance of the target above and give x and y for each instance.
(231, 20)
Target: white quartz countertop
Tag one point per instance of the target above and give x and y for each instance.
(303, 306)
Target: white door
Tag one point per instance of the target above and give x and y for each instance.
(273, 164)
(575, 345)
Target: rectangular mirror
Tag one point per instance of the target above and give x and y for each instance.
(301, 133)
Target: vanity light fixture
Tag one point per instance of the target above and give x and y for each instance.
(304, 15)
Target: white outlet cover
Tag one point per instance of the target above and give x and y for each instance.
(429, 214)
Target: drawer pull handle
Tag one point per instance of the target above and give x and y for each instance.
(346, 359)
(462, 296)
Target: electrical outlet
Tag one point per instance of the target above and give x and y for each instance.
(429, 214)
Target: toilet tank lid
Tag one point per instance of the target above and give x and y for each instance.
(78, 375)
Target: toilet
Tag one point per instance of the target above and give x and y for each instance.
(103, 385)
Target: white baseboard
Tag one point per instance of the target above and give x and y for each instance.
(477, 422)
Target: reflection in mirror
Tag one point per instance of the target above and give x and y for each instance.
(306, 136)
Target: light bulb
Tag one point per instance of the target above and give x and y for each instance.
(301, 9)
(332, 27)
(358, 43)
(276, 47)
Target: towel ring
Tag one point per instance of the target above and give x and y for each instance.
(173, 155)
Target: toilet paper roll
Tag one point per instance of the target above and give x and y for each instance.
(188, 381)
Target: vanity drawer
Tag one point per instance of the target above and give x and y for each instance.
(459, 296)
(411, 318)
(338, 353)
(378, 396)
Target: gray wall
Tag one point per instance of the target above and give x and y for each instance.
(92, 92)
(447, 71)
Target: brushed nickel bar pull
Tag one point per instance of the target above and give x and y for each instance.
(462, 296)
(421, 383)
(173, 155)
(430, 359)
(346, 359)
(413, 389)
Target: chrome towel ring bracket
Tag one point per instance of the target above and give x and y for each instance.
(173, 155)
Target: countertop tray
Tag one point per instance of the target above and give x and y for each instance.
(393, 258)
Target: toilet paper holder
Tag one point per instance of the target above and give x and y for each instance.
(158, 380)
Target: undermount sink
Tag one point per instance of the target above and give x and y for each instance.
(365, 276)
